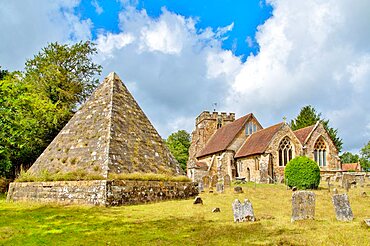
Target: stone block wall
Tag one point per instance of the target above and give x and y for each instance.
(101, 192)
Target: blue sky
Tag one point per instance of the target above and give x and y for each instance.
(179, 57)
(245, 15)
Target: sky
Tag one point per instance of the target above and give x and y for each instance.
(180, 57)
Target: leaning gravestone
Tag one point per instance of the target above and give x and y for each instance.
(220, 187)
(227, 181)
(243, 212)
(205, 180)
(214, 180)
(342, 208)
(303, 205)
(200, 186)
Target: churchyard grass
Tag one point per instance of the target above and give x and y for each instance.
(182, 223)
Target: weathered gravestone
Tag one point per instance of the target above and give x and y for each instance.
(216, 210)
(220, 187)
(200, 186)
(303, 205)
(214, 180)
(342, 208)
(238, 189)
(227, 180)
(243, 212)
(205, 180)
(198, 200)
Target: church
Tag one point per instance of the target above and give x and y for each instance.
(223, 147)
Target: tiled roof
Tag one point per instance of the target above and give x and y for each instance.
(350, 166)
(201, 165)
(223, 137)
(258, 141)
(303, 133)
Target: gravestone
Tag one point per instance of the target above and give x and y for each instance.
(200, 187)
(216, 210)
(363, 194)
(367, 222)
(238, 189)
(303, 205)
(243, 212)
(335, 191)
(220, 187)
(198, 200)
(214, 180)
(205, 180)
(342, 208)
(227, 180)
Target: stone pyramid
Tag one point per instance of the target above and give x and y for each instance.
(110, 134)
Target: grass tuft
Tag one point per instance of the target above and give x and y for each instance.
(148, 177)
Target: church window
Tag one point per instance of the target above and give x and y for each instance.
(219, 123)
(320, 152)
(285, 152)
(250, 128)
(240, 167)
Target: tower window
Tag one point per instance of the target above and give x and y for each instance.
(219, 123)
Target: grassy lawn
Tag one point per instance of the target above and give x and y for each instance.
(182, 223)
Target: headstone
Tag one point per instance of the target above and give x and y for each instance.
(243, 212)
(248, 212)
(210, 190)
(220, 187)
(294, 188)
(346, 185)
(200, 187)
(216, 210)
(342, 208)
(363, 194)
(214, 181)
(227, 181)
(238, 189)
(367, 222)
(198, 200)
(303, 205)
(335, 191)
(205, 180)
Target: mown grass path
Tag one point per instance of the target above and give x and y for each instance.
(182, 223)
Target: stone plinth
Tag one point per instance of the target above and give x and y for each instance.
(101, 192)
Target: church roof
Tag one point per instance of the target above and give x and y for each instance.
(224, 136)
(303, 133)
(258, 141)
(350, 166)
(108, 134)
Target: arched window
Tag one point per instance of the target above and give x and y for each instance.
(320, 152)
(285, 152)
(250, 128)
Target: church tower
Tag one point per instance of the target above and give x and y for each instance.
(206, 124)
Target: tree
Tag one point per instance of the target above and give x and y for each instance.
(179, 143)
(365, 157)
(36, 104)
(3, 73)
(348, 157)
(308, 117)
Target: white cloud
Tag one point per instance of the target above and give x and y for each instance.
(311, 52)
(98, 9)
(27, 26)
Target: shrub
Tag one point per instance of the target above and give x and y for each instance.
(303, 173)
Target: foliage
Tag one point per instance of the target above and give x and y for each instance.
(46, 176)
(3, 73)
(35, 105)
(308, 117)
(179, 143)
(149, 177)
(365, 157)
(28, 223)
(303, 173)
(348, 157)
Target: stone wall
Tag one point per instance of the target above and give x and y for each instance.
(101, 192)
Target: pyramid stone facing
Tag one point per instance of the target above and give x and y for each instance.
(110, 134)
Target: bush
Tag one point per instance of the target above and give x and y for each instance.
(303, 173)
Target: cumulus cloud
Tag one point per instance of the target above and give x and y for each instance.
(27, 26)
(174, 70)
(311, 52)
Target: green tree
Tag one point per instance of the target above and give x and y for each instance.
(3, 73)
(179, 143)
(365, 157)
(308, 117)
(348, 157)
